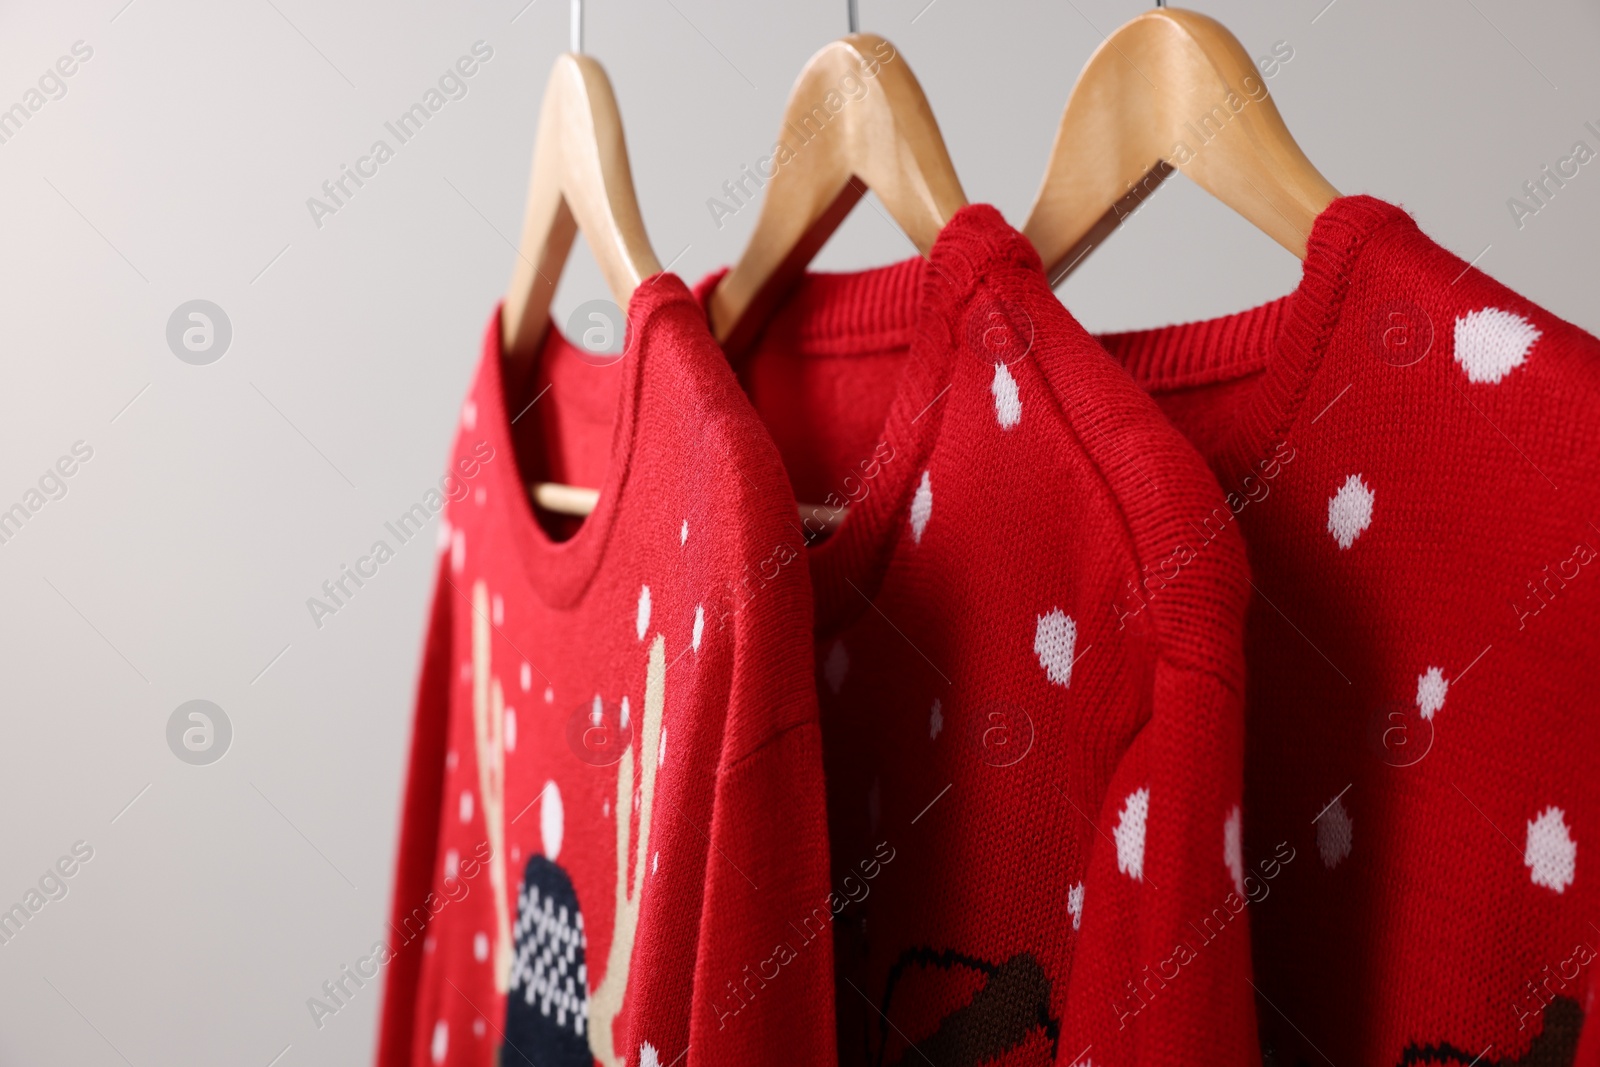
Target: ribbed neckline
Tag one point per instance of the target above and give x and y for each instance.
(917, 302)
(1284, 340)
(1169, 358)
(561, 572)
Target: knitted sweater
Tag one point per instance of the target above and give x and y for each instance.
(1034, 784)
(1410, 450)
(615, 807)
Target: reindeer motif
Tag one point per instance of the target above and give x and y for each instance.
(488, 723)
(550, 948)
(606, 1000)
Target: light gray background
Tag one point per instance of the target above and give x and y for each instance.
(177, 567)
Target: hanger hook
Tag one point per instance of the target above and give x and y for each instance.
(577, 26)
(854, 8)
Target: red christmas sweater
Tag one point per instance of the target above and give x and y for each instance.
(614, 812)
(1034, 786)
(1412, 453)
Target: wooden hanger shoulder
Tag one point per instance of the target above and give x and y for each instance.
(856, 119)
(1171, 88)
(580, 181)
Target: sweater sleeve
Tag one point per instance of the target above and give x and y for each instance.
(1163, 959)
(763, 977)
(419, 831)
(764, 972)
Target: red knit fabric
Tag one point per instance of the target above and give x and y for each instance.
(618, 898)
(1031, 775)
(1411, 452)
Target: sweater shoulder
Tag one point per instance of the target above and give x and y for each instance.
(1518, 372)
(730, 488)
(1188, 556)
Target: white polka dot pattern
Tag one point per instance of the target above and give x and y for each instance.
(1007, 401)
(837, 665)
(1492, 343)
(1551, 855)
(1350, 511)
(642, 622)
(1431, 688)
(1055, 641)
(921, 508)
(1335, 834)
(1129, 834)
(1233, 847)
(441, 1041)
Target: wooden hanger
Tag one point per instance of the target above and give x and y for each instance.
(1170, 89)
(819, 519)
(856, 120)
(581, 181)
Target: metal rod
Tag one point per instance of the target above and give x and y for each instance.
(854, 16)
(577, 26)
